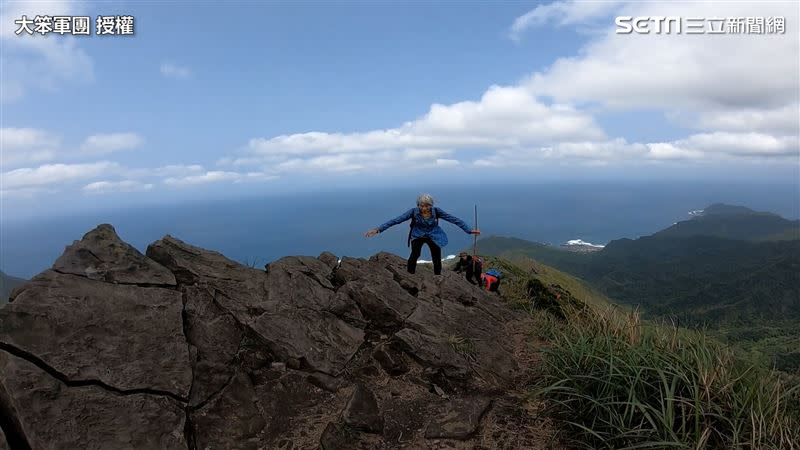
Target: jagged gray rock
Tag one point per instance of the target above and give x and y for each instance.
(230, 419)
(362, 411)
(458, 420)
(307, 352)
(216, 338)
(190, 263)
(337, 437)
(102, 255)
(289, 306)
(87, 417)
(294, 408)
(125, 336)
(390, 361)
(453, 325)
(325, 381)
(329, 259)
(458, 339)
(3, 443)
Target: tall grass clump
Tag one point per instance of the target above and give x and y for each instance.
(619, 383)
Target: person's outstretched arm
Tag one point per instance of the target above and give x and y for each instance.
(399, 219)
(455, 221)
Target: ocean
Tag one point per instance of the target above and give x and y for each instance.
(256, 230)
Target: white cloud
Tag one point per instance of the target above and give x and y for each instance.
(208, 177)
(741, 91)
(55, 174)
(22, 146)
(172, 170)
(743, 144)
(712, 73)
(29, 145)
(425, 154)
(576, 152)
(215, 176)
(255, 177)
(447, 162)
(671, 151)
(504, 117)
(29, 193)
(780, 120)
(36, 61)
(329, 163)
(99, 144)
(172, 70)
(26, 145)
(561, 13)
(105, 187)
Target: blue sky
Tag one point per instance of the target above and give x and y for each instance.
(210, 100)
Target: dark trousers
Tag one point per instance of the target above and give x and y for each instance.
(416, 250)
(476, 273)
(474, 270)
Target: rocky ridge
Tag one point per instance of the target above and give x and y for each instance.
(185, 348)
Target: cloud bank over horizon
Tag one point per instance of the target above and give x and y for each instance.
(736, 97)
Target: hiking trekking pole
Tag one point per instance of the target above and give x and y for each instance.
(475, 242)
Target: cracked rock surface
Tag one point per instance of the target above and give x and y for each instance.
(52, 414)
(102, 255)
(182, 347)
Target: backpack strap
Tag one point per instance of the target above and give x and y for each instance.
(411, 227)
(414, 222)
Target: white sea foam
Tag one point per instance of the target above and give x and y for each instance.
(425, 261)
(696, 212)
(582, 242)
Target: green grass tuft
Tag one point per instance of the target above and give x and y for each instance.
(619, 383)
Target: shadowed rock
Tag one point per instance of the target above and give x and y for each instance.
(216, 338)
(458, 338)
(102, 255)
(362, 411)
(185, 347)
(230, 419)
(454, 325)
(293, 407)
(326, 382)
(318, 339)
(458, 420)
(87, 417)
(329, 259)
(189, 263)
(390, 361)
(337, 436)
(289, 306)
(125, 336)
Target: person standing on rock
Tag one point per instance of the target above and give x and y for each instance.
(425, 229)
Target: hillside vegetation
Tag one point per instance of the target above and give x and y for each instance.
(744, 291)
(613, 380)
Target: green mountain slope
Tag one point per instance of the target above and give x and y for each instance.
(699, 278)
(735, 222)
(745, 290)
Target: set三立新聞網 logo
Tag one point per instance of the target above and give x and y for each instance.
(699, 25)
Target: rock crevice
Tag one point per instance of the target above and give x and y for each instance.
(33, 359)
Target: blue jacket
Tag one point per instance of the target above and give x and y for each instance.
(427, 227)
